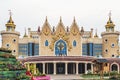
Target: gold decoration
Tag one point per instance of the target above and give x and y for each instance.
(63, 37)
(46, 31)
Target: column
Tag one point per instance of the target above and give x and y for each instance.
(76, 68)
(34, 68)
(92, 67)
(66, 72)
(28, 67)
(47, 68)
(85, 68)
(73, 68)
(54, 68)
(43, 68)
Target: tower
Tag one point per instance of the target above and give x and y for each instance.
(110, 39)
(10, 37)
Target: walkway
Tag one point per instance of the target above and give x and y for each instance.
(65, 77)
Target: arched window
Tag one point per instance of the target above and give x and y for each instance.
(74, 43)
(46, 43)
(114, 67)
(60, 48)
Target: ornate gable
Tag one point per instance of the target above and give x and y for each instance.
(74, 28)
(60, 28)
(46, 28)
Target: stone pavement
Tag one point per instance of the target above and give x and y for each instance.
(65, 77)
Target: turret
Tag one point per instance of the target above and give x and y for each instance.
(110, 40)
(10, 37)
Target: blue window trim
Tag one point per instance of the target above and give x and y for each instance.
(74, 43)
(46, 43)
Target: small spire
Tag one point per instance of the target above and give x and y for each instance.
(25, 35)
(60, 19)
(110, 25)
(67, 29)
(74, 19)
(38, 28)
(96, 34)
(82, 29)
(10, 19)
(53, 28)
(46, 20)
(110, 15)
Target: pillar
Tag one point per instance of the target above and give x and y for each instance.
(66, 72)
(28, 67)
(85, 68)
(73, 68)
(76, 68)
(92, 67)
(43, 68)
(34, 68)
(54, 68)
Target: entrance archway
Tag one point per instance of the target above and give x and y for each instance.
(114, 67)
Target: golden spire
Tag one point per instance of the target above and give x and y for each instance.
(25, 35)
(10, 19)
(10, 23)
(109, 24)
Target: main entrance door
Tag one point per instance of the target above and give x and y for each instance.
(60, 68)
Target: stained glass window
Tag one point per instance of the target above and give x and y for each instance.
(60, 48)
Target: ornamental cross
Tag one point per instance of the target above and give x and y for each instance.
(110, 13)
(60, 46)
(10, 13)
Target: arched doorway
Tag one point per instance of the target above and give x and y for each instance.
(60, 48)
(114, 67)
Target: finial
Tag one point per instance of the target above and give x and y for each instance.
(10, 20)
(96, 33)
(82, 29)
(10, 13)
(38, 28)
(67, 29)
(25, 35)
(110, 15)
(46, 19)
(53, 28)
(60, 19)
(74, 19)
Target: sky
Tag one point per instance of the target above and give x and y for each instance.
(32, 13)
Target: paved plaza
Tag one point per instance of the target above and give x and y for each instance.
(65, 77)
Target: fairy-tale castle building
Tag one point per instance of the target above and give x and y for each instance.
(61, 49)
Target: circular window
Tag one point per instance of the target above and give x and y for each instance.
(7, 45)
(112, 45)
(113, 55)
(14, 40)
(106, 50)
(106, 40)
